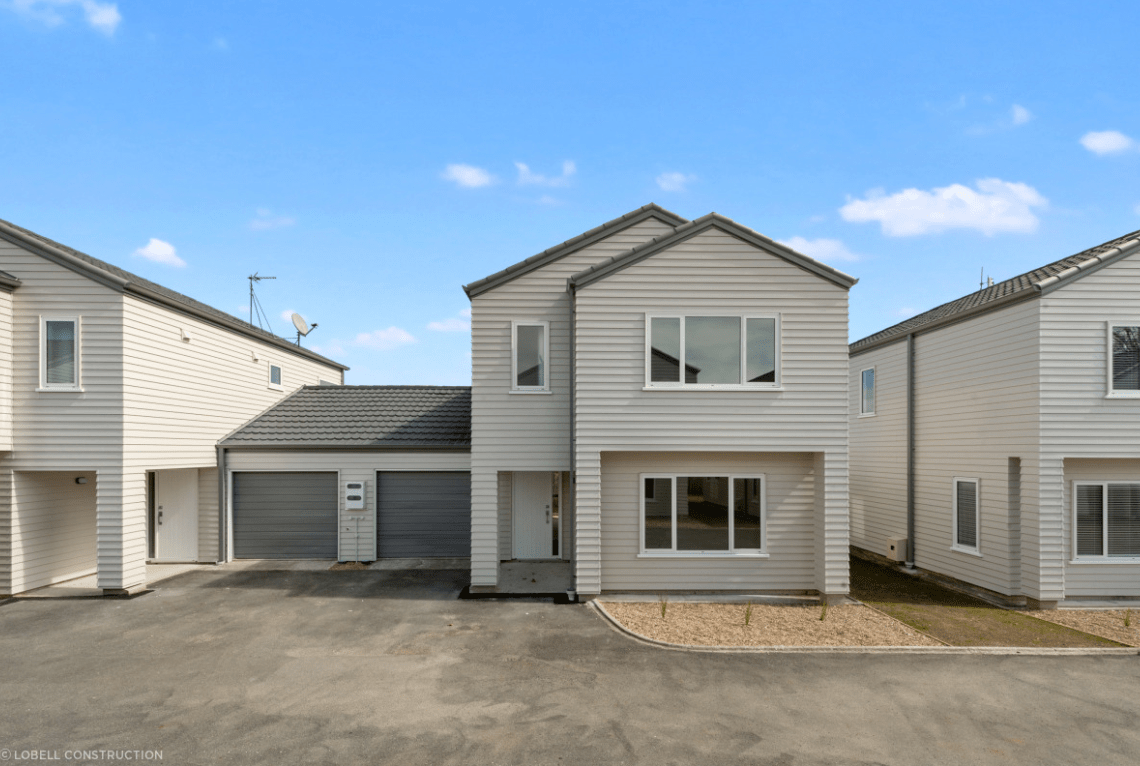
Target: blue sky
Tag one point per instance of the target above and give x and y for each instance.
(375, 157)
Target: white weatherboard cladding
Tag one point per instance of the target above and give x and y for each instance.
(1097, 578)
(790, 507)
(878, 451)
(524, 432)
(717, 274)
(208, 541)
(357, 531)
(5, 371)
(53, 528)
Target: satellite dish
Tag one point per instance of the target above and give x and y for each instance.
(301, 325)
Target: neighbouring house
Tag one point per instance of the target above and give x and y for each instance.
(352, 473)
(1005, 426)
(114, 392)
(662, 402)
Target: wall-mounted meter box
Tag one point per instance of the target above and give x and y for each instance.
(354, 496)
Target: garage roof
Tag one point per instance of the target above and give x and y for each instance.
(362, 417)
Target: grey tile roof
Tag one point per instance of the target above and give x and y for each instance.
(172, 296)
(1023, 286)
(696, 226)
(362, 417)
(569, 246)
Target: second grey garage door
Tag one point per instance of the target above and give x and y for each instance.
(423, 514)
(285, 515)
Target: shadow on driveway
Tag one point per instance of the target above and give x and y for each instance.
(397, 584)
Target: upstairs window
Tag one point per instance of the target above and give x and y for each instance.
(1107, 520)
(712, 351)
(59, 353)
(530, 343)
(966, 515)
(274, 376)
(867, 398)
(1124, 350)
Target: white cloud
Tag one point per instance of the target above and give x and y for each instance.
(1020, 115)
(103, 17)
(221, 43)
(265, 220)
(287, 314)
(526, 177)
(995, 206)
(452, 324)
(674, 182)
(826, 250)
(384, 340)
(465, 313)
(467, 176)
(1107, 142)
(160, 252)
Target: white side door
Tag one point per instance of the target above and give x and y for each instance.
(176, 515)
(531, 512)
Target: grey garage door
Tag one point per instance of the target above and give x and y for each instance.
(423, 514)
(285, 515)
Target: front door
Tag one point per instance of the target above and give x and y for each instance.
(532, 511)
(176, 515)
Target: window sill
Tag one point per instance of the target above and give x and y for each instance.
(710, 387)
(867, 414)
(530, 393)
(967, 551)
(59, 390)
(1134, 560)
(272, 387)
(702, 555)
(1123, 395)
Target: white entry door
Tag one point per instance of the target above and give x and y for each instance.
(533, 528)
(176, 515)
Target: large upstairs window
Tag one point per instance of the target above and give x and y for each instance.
(1124, 361)
(712, 351)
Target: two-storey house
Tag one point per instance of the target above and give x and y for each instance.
(995, 439)
(663, 402)
(113, 394)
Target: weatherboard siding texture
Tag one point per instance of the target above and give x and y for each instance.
(5, 371)
(712, 273)
(524, 432)
(353, 465)
(53, 528)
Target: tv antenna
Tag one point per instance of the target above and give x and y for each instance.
(255, 304)
(303, 328)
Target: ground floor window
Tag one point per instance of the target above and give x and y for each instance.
(966, 513)
(1107, 519)
(702, 514)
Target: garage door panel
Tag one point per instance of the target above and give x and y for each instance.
(423, 514)
(285, 515)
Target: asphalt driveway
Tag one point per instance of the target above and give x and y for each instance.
(219, 667)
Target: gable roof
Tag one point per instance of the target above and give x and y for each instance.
(573, 245)
(693, 228)
(1022, 287)
(8, 283)
(362, 417)
(120, 279)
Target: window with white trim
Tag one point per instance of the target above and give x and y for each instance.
(712, 351)
(966, 514)
(683, 514)
(1106, 520)
(530, 344)
(1124, 360)
(59, 353)
(275, 376)
(867, 392)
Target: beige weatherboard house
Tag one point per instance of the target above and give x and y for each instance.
(662, 403)
(113, 394)
(1001, 434)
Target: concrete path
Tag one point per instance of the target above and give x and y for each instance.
(252, 667)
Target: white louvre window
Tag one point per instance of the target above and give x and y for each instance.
(966, 515)
(702, 515)
(59, 353)
(867, 402)
(1107, 520)
(530, 343)
(1124, 351)
(712, 351)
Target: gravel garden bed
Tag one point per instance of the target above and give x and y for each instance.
(1108, 623)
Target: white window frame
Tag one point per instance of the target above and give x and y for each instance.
(954, 544)
(515, 387)
(651, 385)
(731, 553)
(1104, 558)
(269, 377)
(44, 386)
(874, 392)
(1110, 392)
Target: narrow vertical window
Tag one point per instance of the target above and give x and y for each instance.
(658, 500)
(867, 403)
(1090, 520)
(761, 339)
(966, 514)
(274, 376)
(531, 343)
(665, 350)
(1125, 342)
(60, 353)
